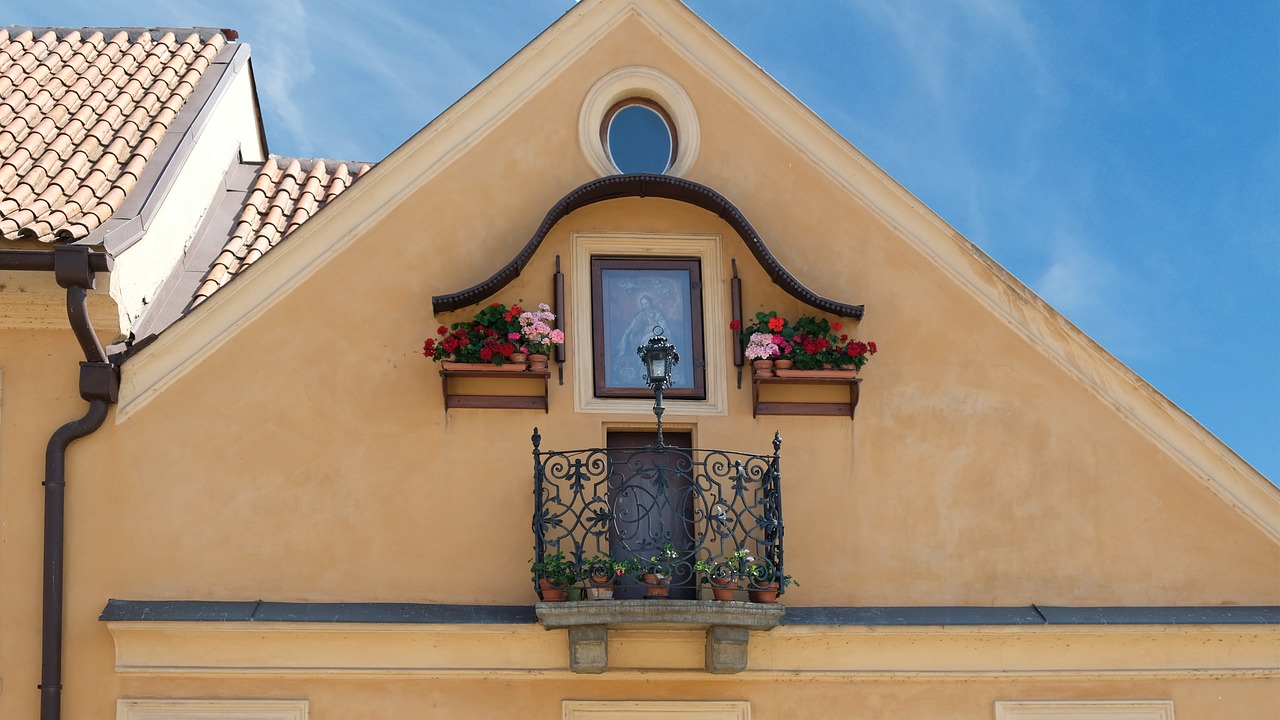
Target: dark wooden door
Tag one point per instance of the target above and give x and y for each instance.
(651, 496)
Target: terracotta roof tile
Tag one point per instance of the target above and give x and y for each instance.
(81, 112)
(287, 193)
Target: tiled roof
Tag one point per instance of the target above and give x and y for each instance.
(286, 194)
(81, 112)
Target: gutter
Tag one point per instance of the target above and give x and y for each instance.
(73, 268)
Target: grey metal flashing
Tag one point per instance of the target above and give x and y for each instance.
(178, 611)
(259, 611)
(394, 613)
(173, 298)
(1033, 615)
(1215, 615)
(912, 616)
(129, 223)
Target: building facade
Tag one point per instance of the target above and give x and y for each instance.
(288, 512)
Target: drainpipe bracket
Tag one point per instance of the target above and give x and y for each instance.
(99, 381)
(71, 266)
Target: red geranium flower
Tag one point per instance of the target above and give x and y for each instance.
(429, 347)
(442, 330)
(872, 347)
(486, 354)
(735, 324)
(776, 324)
(506, 349)
(837, 327)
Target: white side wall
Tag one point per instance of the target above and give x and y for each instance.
(231, 128)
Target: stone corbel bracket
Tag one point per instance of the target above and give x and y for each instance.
(728, 626)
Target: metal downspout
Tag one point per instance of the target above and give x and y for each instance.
(73, 268)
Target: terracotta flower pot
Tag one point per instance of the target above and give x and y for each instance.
(518, 358)
(656, 586)
(722, 591)
(782, 364)
(600, 587)
(764, 368)
(764, 594)
(551, 593)
(538, 362)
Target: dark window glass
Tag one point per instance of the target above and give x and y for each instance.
(639, 140)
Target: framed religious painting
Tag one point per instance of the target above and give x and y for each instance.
(631, 299)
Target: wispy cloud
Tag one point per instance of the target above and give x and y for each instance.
(1099, 297)
(283, 64)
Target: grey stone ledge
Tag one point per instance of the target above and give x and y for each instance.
(666, 614)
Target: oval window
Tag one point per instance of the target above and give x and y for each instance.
(639, 138)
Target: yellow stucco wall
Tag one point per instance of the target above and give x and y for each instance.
(308, 457)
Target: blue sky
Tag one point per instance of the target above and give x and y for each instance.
(1120, 158)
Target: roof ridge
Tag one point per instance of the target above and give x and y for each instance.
(206, 34)
(330, 164)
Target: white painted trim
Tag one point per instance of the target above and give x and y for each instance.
(467, 122)
(656, 710)
(1084, 710)
(638, 81)
(219, 709)
(715, 290)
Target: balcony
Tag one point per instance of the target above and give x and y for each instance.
(697, 516)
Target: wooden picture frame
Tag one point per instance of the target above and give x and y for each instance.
(630, 296)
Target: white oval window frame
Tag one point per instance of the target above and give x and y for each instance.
(638, 81)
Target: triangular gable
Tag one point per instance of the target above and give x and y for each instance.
(433, 150)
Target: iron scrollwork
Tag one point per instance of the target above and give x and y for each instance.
(708, 505)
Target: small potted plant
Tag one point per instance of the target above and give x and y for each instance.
(766, 343)
(538, 335)
(763, 581)
(655, 572)
(722, 576)
(603, 572)
(554, 574)
(761, 350)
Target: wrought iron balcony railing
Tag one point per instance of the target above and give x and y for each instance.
(717, 509)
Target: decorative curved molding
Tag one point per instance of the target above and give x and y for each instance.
(645, 185)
